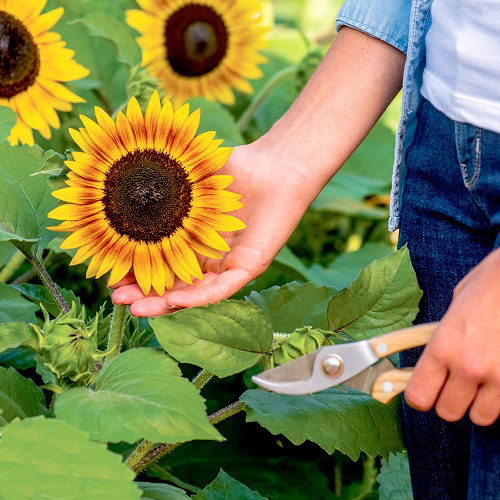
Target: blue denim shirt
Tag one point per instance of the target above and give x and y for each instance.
(403, 24)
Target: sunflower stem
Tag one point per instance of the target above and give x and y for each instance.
(47, 281)
(116, 332)
(263, 94)
(163, 449)
(201, 379)
(12, 266)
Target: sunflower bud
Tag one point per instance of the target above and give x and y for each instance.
(301, 341)
(141, 85)
(68, 346)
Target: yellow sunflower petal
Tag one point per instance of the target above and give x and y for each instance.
(174, 264)
(158, 277)
(122, 264)
(204, 234)
(142, 266)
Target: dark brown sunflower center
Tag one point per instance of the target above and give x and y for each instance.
(147, 195)
(19, 56)
(196, 38)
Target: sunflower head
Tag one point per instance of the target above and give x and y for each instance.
(201, 47)
(143, 194)
(33, 62)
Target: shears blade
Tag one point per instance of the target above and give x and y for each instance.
(313, 372)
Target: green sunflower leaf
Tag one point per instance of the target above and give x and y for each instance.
(224, 487)
(14, 307)
(293, 305)
(8, 119)
(25, 199)
(383, 298)
(47, 458)
(15, 334)
(224, 338)
(160, 491)
(140, 394)
(394, 478)
(336, 419)
(19, 397)
(118, 33)
(39, 294)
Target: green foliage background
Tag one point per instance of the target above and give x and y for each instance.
(328, 445)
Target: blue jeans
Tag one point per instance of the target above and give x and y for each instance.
(450, 221)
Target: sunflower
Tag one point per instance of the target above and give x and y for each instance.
(201, 47)
(143, 194)
(33, 60)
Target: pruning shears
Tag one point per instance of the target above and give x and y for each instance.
(361, 365)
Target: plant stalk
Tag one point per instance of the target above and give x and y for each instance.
(263, 94)
(12, 266)
(47, 281)
(165, 448)
(201, 379)
(161, 473)
(116, 332)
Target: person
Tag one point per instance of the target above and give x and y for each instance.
(445, 199)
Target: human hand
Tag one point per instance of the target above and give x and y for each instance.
(275, 196)
(460, 370)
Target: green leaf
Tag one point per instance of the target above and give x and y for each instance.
(14, 334)
(14, 307)
(336, 419)
(53, 165)
(108, 27)
(345, 268)
(224, 338)
(394, 478)
(19, 397)
(383, 298)
(8, 119)
(292, 306)
(224, 487)
(160, 491)
(47, 458)
(25, 200)
(41, 296)
(140, 394)
(215, 117)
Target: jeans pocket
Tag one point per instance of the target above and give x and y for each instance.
(468, 144)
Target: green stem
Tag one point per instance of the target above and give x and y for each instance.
(165, 448)
(139, 453)
(12, 266)
(163, 474)
(47, 281)
(31, 273)
(116, 332)
(263, 94)
(201, 379)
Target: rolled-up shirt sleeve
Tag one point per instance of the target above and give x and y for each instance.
(388, 20)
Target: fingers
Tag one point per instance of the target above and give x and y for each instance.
(456, 397)
(157, 306)
(225, 285)
(486, 407)
(127, 280)
(427, 381)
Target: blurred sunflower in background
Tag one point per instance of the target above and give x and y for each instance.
(143, 193)
(201, 47)
(33, 60)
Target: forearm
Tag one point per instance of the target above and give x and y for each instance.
(354, 84)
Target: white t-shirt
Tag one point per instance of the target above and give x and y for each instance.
(462, 74)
